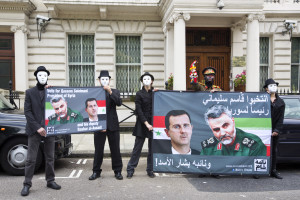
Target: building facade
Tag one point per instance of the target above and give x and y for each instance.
(162, 37)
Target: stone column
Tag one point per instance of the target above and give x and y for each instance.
(169, 52)
(21, 62)
(179, 50)
(252, 80)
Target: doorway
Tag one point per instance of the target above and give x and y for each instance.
(210, 47)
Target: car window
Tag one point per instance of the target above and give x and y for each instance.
(4, 104)
(292, 108)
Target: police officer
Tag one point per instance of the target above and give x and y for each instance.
(229, 140)
(63, 114)
(209, 74)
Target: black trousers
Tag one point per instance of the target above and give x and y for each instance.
(274, 152)
(34, 142)
(114, 145)
(136, 154)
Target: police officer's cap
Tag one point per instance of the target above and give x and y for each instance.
(41, 69)
(104, 73)
(147, 74)
(270, 81)
(209, 70)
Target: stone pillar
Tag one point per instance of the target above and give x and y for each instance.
(252, 80)
(179, 50)
(169, 52)
(21, 62)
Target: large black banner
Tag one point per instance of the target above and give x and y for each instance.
(74, 110)
(211, 133)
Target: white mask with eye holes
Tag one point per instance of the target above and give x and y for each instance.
(42, 77)
(147, 80)
(272, 88)
(104, 81)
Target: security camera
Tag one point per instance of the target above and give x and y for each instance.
(220, 4)
(40, 17)
(290, 24)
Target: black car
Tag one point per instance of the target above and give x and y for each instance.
(289, 140)
(13, 141)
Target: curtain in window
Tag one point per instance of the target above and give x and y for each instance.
(81, 60)
(128, 64)
(264, 61)
(295, 60)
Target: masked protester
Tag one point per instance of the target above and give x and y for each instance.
(209, 74)
(34, 109)
(143, 127)
(113, 99)
(277, 116)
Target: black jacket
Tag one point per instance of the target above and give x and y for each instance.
(112, 101)
(34, 110)
(277, 114)
(143, 109)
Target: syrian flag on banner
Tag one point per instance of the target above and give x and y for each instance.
(101, 107)
(159, 128)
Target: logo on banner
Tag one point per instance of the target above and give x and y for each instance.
(50, 130)
(260, 165)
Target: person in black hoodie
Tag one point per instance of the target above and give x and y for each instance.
(143, 127)
(277, 115)
(34, 109)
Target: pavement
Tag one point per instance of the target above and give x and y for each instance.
(83, 145)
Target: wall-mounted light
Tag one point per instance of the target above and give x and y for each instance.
(220, 4)
(41, 23)
(289, 25)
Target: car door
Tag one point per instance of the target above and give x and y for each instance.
(289, 140)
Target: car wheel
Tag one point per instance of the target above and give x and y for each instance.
(14, 154)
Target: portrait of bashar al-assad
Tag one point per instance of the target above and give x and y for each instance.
(179, 129)
(91, 107)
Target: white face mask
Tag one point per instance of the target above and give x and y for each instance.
(104, 81)
(147, 80)
(42, 77)
(272, 88)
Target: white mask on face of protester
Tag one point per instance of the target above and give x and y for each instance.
(104, 81)
(42, 77)
(147, 80)
(272, 88)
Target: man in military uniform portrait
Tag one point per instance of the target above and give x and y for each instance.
(209, 74)
(229, 140)
(63, 114)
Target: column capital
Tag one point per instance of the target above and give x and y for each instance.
(22, 28)
(181, 15)
(252, 17)
(240, 25)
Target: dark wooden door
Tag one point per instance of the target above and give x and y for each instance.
(210, 47)
(220, 61)
(7, 60)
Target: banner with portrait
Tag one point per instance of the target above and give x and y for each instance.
(74, 110)
(211, 133)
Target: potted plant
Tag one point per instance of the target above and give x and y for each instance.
(240, 82)
(169, 82)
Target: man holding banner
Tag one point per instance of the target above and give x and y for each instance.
(34, 109)
(229, 140)
(113, 99)
(277, 116)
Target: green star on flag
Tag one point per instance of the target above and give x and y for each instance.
(158, 133)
